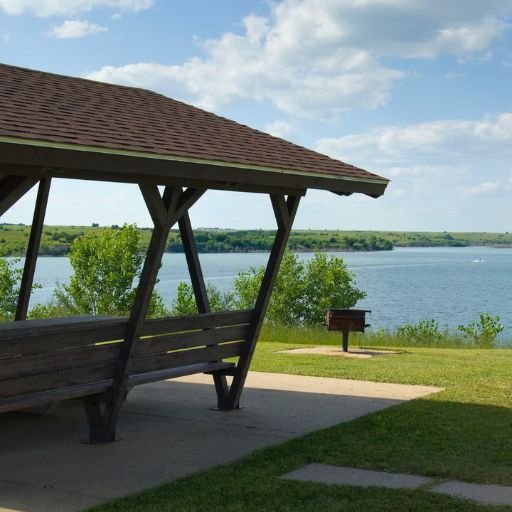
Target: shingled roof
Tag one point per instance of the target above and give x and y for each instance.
(46, 110)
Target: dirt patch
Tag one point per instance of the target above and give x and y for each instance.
(355, 353)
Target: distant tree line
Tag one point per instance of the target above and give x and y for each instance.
(215, 241)
(57, 240)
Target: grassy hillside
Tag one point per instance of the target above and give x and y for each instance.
(57, 239)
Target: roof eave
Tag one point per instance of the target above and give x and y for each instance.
(105, 164)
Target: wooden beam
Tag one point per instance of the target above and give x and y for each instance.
(32, 249)
(172, 200)
(200, 293)
(101, 167)
(276, 255)
(12, 188)
(144, 179)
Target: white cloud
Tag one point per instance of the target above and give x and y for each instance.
(417, 170)
(74, 29)
(423, 28)
(242, 68)
(451, 174)
(318, 58)
(470, 38)
(282, 129)
(432, 143)
(45, 8)
(484, 188)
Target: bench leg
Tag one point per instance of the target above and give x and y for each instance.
(99, 429)
(222, 389)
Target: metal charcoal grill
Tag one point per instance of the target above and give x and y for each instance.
(346, 320)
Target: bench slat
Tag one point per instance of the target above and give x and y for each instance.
(186, 357)
(201, 321)
(161, 344)
(43, 343)
(56, 361)
(56, 380)
(36, 327)
(53, 395)
(181, 371)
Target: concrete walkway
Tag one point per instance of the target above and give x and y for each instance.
(168, 430)
(335, 475)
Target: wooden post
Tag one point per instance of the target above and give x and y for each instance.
(200, 293)
(32, 249)
(284, 211)
(165, 211)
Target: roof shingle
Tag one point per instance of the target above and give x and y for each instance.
(60, 109)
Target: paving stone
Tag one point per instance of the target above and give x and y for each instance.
(327, 474)
(486, 494)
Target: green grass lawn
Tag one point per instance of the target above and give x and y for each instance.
(464, 432)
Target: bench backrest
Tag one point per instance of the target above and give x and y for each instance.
(46, 360)
(38, 356)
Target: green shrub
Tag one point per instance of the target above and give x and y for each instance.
(185, 302)
(105, 266)
(10, 278)
(48, 310)
(303, 290)
(327, 284)
(482, 332)
(425, 332)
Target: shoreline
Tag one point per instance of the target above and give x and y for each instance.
(308, 251)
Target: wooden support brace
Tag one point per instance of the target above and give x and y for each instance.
(154, 204)
(13, 188)
(285, 214)
(280, 211)
(165, 212)
(194, 265)
(200, 293)
(32, 249)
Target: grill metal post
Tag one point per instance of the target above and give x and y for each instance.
(344, 342)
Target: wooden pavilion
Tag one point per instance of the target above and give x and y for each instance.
(54, 126)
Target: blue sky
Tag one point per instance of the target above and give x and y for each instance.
(415, 90)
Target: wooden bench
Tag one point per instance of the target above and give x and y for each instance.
(43, 361)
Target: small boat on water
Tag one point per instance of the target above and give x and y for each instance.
(478, 260)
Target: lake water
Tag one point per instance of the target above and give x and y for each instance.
(452, 285)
